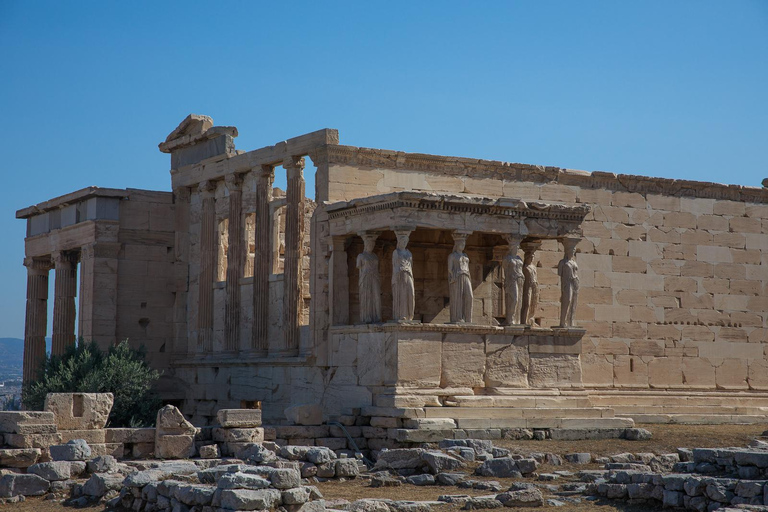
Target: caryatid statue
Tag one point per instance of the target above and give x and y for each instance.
(368, 283)
(513, 280)
(569, 282)
(460, 281)
(403, 297)
(530, 284)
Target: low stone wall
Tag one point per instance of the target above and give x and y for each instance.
(706, 479)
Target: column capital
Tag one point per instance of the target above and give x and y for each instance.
(207, 189)
(530, 245)
(570, 243)
(64, 258)
(234, 182)
(264, 171)
(38, 264)
(294, 165)
(460, 234)
(513, 241)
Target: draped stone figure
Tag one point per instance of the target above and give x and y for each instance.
(368, 283)
(459, 281)
(403, 296)
(569, 282)
(530, 284)
(513, 281)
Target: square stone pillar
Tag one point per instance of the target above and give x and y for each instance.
(235, 262)
(339, 282)
(294, 255)
(98, 293)
(65, 291)
(37, 316)
(207, 267)
(262, 265)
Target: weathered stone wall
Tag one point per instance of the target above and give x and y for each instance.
(145, 270)
(673, 274)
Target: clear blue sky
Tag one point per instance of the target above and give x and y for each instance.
(88, 89)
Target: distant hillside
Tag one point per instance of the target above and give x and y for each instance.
(11, 358)
(11, 351)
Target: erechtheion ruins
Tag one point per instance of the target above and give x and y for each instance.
(431, 288)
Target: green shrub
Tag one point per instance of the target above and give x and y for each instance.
(84, 368)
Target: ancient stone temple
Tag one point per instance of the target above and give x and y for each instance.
(425, 288)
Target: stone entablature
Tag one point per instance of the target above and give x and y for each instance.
(494, 169)
(455, 212)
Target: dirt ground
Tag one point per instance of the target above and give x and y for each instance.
(666, 439)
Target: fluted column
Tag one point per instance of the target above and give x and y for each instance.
(65, 291)
(235, 261)
(294, 252)
(207, 266)
(262, 258)
(36, 317)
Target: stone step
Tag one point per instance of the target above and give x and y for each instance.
(516, 413)
(699, 419)
(523, 401)
(564, 423)
(629, 410)
(679, 400)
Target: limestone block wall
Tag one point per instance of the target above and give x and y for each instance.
(673, 273)
(145, 269)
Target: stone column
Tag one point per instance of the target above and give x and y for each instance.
(262, 264)
(65, 291)
(207, 266)
(294, 252)
(37, 316)
(97, 317)
(531, 282)
(339, 282)
(235, 261)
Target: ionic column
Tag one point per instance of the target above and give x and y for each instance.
(65, 291)
(36, 317)
(235, 257)
(262, 258)
(207, 266)
(294, 252)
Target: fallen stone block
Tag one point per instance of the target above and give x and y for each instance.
(306, 414)
(284, 478)
(439, 462)
(77, 449)
(210, 451)
(246, 499)
(129, 435)
(41, 441)
(421, 480)
(346, 468)
(637, 434)
(53, 471)
(578, 458)
(529, 497)
(102, 464)
(238, 435)
(19, 457)
(239, 418)
(174, 447)
(101, 483)
(89, 436)
(17, 484)
(297, 496)
(26, 422)
(79, 411)
(194, 495)
(242, 481)
(401, 458)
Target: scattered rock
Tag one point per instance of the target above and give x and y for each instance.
(76, 449)
(637, 434)
(16, 484)
(421, 480)
(579, 458)
(530, 497)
